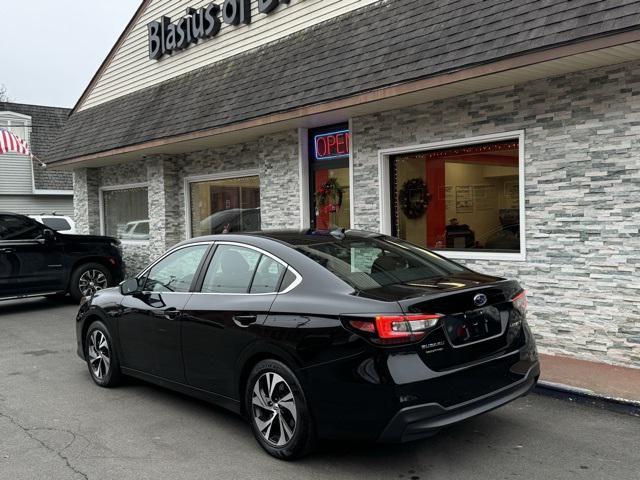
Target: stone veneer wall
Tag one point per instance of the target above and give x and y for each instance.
(275, 157)
(280, 180)
(582, 165)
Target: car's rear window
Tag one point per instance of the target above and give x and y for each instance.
(56, 223)
(371, 263)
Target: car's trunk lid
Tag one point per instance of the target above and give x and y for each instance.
(478, 317)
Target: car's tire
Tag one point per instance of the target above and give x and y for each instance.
(291, 433)
(87, 279)
(101, 356)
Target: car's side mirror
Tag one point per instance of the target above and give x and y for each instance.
(129, 286)
(48, 235)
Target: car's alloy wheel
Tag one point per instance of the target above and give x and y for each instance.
(91, 281)
(99, 354)
(278, 410)
(274, 409)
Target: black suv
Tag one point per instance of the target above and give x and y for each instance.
(36, 260)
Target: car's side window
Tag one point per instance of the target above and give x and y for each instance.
(231, 270)
(18, 228)
(287, 281)
(142, 228)
(268, 276)
(175, 272)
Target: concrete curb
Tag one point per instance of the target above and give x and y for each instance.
(588, 397)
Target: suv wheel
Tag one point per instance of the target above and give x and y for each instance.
(87, 279)
(101, 357)
(278, 411)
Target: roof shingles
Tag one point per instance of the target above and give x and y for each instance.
(386, 43)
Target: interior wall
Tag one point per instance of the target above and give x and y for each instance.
(483, 218)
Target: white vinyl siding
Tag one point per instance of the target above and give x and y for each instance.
(35, 205)
(15, 174)
(131, 69)
(15, 169)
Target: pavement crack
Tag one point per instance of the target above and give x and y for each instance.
(30, 433)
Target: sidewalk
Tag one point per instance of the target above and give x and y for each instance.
(591, 378)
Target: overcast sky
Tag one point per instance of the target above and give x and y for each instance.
(52, 48)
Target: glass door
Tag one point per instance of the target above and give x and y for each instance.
(330, 179)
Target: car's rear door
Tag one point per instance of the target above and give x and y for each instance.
(235, 294)
(149, 327)
(28, 263)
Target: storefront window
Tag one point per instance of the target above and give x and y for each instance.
(463, 198)
(126, 213)
(329, 166)
(225, 206)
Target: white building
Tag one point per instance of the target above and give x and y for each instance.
(25, 186)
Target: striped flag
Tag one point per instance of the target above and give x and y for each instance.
(10, 142)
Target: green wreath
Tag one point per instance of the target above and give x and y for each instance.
(330, 193)
(414, 198)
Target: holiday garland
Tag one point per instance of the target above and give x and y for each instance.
(414, 198)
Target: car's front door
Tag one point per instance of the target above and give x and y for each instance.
(29, 263)
(149, 326)
(227, 314)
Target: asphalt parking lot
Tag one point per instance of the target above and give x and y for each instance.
(56, 424)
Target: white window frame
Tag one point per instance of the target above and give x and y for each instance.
(254, 172)
(115, 188)
(21, 119)
(384, 173)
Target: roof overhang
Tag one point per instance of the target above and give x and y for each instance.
(569, 58)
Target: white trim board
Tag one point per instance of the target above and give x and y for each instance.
(9, 115)
(52, 192)
(385, 190)
(254, 172)
(352, 195)
(303, 177)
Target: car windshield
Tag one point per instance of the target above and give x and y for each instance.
(370, 263)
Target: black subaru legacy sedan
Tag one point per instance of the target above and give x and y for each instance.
(314, 334)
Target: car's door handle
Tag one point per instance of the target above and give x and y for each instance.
(7, 250)
(169, 314)
(245, 320)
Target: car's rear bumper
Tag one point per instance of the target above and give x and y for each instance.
(419, 421)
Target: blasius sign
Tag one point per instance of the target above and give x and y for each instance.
(166, 37)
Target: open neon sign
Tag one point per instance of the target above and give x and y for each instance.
(332, 145)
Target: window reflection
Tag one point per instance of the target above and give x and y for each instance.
(225, 206)
(126, 213)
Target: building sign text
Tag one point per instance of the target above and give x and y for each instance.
(166, 37)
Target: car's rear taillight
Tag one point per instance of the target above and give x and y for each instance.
(397, 329)
(520, 302)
